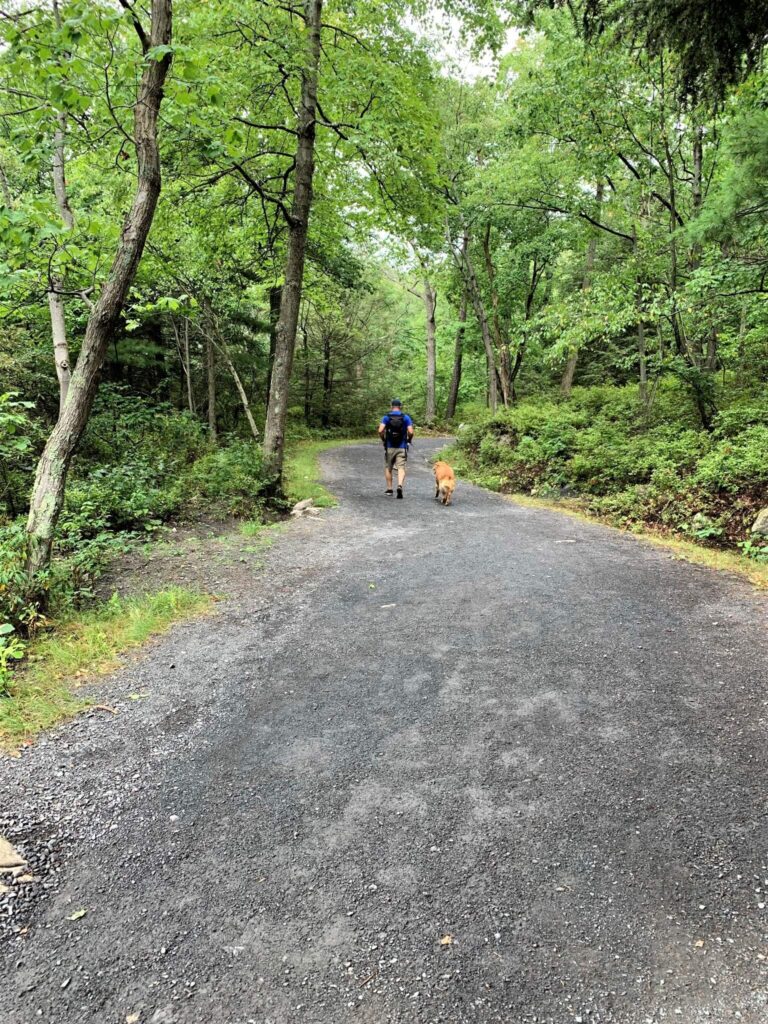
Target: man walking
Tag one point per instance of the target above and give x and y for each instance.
(396, 431)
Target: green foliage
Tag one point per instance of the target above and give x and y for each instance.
(631, 464)
(227, 480)
(12, 649)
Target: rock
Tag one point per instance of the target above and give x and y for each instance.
(10, 859)
(760, 525)
(300, 506)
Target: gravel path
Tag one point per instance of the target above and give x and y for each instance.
(483, 763)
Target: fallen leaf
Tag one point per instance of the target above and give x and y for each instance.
(371, 586)
(447, 940)
(132, 1018)
(26, 878)
(77, 915)
(137, 696)
(699, 943)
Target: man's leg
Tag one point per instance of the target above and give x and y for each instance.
(387, 472)
(400, 463)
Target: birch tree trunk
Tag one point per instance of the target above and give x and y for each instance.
(240, 390)
(55, 297)
(290, 298)
(50, 480)
(430, 305)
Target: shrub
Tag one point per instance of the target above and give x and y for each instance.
(12, 649)
(634, 465)
(230, 480)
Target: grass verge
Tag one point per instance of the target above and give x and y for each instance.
(302, 471)
(43, 690)
(687, 550)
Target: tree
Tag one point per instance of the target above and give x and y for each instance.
(298, 224)
(50, 478)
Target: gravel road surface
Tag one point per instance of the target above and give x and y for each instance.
(481, 763)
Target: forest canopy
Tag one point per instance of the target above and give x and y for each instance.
(225, 227)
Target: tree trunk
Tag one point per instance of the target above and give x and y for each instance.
(430, 305)
(240, 390)
(50, 480)
(325, 418)
(210, 365)
(477, 302)
(275, 294)
(742, 346)
(569, 373)
(458, 354)
(55, 298)
(290, 299)
(641, 354)
(188, 368)
(60, 346)
(502, 344)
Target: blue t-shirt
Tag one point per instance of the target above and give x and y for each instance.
(408, 423)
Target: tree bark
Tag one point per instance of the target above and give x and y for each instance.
(183, 349)
(458, 355)
(210, 365)
(275, 294)
(325, 418)
(188, 370)
(643, 362)
(55, 298)
(477, 303)
(50, 480)
(60, 344)
(569, 373)
(240, 390)
(290, 299)
(430, 305)
(502, 344)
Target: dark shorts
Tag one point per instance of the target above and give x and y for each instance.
(395, 458)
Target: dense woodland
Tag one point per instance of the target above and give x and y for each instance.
(225, 227)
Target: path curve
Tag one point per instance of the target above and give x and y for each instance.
(482, 763)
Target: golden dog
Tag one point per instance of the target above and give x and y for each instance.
(445, 482)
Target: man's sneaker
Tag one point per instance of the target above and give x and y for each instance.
(390, 492)
(399, 492)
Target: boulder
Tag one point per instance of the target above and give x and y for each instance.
(760, 525)
(10, 859)
(300, 506)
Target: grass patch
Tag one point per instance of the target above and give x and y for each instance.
(41, 693)
(689, 551)
(301, 476)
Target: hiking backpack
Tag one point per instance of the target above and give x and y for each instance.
(395, 433)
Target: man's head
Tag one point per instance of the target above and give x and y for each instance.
(397, 404)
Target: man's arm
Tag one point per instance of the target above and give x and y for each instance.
(382, 426)
(410, 429)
